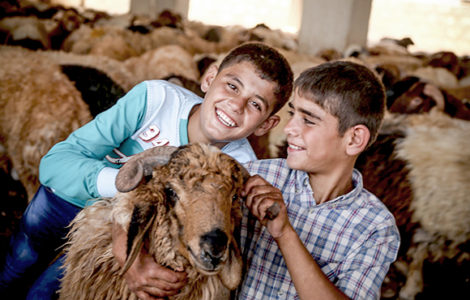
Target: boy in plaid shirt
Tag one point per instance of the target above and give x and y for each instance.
(333, 239)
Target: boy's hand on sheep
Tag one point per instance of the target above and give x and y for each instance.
(145, 277)
(267, 204)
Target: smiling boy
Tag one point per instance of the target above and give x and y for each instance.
(332, 239)
(242, 95)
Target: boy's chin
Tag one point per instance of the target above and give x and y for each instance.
(292, 162)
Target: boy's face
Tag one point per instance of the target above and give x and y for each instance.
(314, 144)
(237, 103)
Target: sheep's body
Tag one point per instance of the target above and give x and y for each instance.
(162, 62)
(205, 180)
(34, 116)
(420, 168)
(113, 68)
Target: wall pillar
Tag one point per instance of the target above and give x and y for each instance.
(333, 24)
(153, 8)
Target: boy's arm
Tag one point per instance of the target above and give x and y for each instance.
(309, 280)
(72, 166)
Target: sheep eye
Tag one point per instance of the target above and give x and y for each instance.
(171, 195)
(234, 198)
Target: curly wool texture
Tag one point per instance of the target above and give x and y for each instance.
(437, 151)
(205, 181)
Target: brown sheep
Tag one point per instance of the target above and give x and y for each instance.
(422, 96)
(34, 116)
(186, 215)
(162, 62)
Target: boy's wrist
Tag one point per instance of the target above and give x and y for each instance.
(287, 235)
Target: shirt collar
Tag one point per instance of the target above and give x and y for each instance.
(302, 184)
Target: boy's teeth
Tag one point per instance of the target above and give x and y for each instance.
(225, 119)
(295, 147)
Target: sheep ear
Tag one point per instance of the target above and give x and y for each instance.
(141, 165)
(142, 219)
(239, 168)
(273, 210)
(231, 274)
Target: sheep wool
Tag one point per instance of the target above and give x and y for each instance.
(185, 215)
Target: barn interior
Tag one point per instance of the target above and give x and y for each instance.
(419, 166)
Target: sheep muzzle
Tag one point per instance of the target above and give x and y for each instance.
(213, 250)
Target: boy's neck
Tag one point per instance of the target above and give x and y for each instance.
(330, 186)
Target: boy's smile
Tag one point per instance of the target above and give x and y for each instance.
(237, 103)
(314, 144)
(224, 119)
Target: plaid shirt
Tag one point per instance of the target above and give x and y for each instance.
(353, 238)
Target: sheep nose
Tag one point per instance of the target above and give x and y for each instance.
(213, 245)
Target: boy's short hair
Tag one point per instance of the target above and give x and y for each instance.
(270, 65)
(349, 91)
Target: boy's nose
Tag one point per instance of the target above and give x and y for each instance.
(290, 128)
(237, 104)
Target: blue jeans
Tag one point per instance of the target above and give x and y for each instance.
(41, 233)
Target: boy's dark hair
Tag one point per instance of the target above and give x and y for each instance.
(349, 91)
(270, 65)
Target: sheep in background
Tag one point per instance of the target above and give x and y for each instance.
(186, 213)
(419, 167)
(413, 95)
(28, 32)
(162, 62)
(437, 152)
(113, 42)
(114, 69)
(34, 116)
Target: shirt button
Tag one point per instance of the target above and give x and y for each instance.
(280, 293)
(311, 210)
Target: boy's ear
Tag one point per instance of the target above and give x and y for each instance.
(208, 77)
(358, 138)
(267, 125)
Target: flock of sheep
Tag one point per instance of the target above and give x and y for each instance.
(60, 67)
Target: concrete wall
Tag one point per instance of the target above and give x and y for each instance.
(433, 25)
(333, 24)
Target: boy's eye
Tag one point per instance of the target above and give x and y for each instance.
(290, 113)
(308, 122)
(256, 105)
(231, 86)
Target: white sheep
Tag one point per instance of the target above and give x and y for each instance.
(186, 215)
(437, 152)
(420, 168)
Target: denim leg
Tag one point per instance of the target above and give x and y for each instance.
(46, 287)
(42, 231)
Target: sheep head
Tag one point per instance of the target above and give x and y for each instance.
(200, 188)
